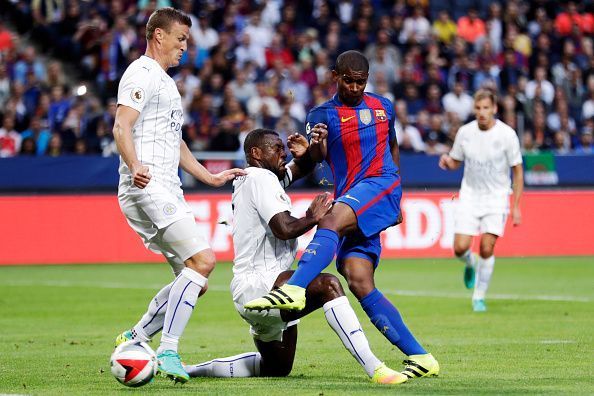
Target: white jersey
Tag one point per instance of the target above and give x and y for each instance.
(488, 156)
(147, 88)
(257, 197)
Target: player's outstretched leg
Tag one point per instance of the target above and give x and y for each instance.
(238, 366)
(417, 366)
(291, 296)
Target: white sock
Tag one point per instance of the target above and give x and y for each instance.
(180, 304)
(344, 322)
(483, 277)
(468, 258)
(243, 365)
(152, 321)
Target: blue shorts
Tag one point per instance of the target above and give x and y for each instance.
(358, 245)
(376, 203)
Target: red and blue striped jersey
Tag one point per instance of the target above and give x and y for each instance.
(359, 139)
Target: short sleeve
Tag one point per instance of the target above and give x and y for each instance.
(457, 151)
(315, 116)
(513, 152)
(269, 197)
(389, 107)
(136, 88)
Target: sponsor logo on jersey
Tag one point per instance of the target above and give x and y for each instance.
(308, 129)
(380, 115)
(365, 116)
(345, 119)
(137, 95)
(169, 209)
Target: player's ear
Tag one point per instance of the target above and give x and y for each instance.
(256, 153)
(158, 35)
(334, 76)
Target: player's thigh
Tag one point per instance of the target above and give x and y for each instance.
(375, 202)
(184, 240)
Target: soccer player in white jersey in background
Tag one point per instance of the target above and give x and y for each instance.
(147, 132)
(264, 239)
(488, 148)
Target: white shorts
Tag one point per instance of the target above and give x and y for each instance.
(266, 325)
(174, 220)
(469, 220)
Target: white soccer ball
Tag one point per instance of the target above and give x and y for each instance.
(133, 363)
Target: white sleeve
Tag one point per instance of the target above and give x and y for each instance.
(269, 196)
(136, 88)
(288, 179)
(457, 151)
(513, 152)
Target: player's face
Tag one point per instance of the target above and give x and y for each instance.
(274, 156)
(175, 43)
(485, 110)
(350, 86)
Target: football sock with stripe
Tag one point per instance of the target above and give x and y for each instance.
(344, 322)
(483, 277)
(242, 365)
(317, 256)
(388, 321)
(152, 321)
(180, 304)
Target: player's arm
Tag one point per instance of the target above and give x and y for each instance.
(125, 119)
(190, 164)
(448, 163)
(517, 188)
(284, 226)
(318, 147)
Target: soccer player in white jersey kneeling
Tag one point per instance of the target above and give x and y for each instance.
(265, 242)
(488, 148)
(147, 131)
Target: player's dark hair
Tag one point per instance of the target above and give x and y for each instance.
(255, 139)
(163, 18)
(351, 60)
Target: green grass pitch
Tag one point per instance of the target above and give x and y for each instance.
(58, 324)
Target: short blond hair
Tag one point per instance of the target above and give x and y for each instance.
(484, 93)
(163, 18)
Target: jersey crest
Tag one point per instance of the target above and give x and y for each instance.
(365, 116)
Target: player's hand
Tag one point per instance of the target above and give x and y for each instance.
(400, 218)
(516, 217)
(319, 206)
(318, 133)
(444, 162)
(220, 179)
(297, 145)
(141, 175)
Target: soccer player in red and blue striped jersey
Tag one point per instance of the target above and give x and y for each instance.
(361, 148)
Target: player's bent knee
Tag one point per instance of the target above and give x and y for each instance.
(202, 262)
(328, 286)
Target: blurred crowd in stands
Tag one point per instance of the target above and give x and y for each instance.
(266, 63)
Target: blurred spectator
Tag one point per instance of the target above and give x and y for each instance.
(416, 29)
(561, 143)
(570, 18)
(407, 135)
(494, 27)
(54, 147)
(4, 85)
(6, 42)
(540, 87)
(471, 28)
(10, 139)
(39, 134)
(444, 28)
(29, 62)
(458, 102)
(586, 145)
(528, 145)
(28, 147)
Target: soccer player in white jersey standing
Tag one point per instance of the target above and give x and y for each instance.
(147, 132)
(264, 239)
(488, 148)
